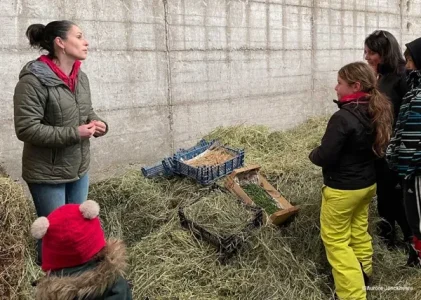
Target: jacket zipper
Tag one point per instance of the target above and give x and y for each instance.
(80, 122)
(80, 119)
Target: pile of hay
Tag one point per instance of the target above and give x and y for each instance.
(167, 262)
(171, 264)
(219, 213)
(133, 207)
(16, 252)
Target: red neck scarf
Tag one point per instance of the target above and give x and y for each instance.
(70, 80)
(353, 97)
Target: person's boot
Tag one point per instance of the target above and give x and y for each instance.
(414, 254)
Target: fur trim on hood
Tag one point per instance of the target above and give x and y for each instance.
(88, 283)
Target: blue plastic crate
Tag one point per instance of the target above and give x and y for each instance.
(166, 166)
(206, 174)
(157, 170)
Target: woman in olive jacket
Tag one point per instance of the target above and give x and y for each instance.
(54, 118)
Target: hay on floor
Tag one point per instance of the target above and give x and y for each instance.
(167, 262)
(176, 266)
(219, 213)
(16, 247)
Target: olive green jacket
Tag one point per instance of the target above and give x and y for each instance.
(47, 116)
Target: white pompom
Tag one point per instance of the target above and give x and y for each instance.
(89, 209)
(39, 227)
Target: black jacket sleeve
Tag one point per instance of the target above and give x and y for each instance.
(332, 142)
(401, 89)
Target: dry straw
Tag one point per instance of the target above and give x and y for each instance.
(220, 214)
(167, 262)
(16, 248)
(211, 157)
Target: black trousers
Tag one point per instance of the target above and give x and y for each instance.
(390, 204)
(412, 202)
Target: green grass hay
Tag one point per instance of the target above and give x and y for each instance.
(261, 198)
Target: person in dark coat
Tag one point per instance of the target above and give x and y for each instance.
(383, 54)
(404, 151)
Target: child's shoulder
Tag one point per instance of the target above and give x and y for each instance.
(103, 272)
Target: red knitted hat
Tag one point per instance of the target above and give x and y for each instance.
(71, 235)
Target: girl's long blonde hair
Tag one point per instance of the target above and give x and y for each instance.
(379, 108)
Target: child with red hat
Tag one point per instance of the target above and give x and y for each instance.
(78, 261)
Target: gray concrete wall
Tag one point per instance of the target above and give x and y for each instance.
(165, 72)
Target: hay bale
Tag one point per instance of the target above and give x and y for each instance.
(16, 215)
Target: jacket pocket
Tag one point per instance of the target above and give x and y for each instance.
(56, 161)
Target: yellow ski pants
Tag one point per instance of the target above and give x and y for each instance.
(344, 231)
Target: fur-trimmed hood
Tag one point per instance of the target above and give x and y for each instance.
(88, 281)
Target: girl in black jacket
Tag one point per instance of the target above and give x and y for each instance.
(355, 135)
(384, 55)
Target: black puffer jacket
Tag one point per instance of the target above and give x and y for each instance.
(394, 86)
(345, 153)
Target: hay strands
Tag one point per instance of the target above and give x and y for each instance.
(228, 242)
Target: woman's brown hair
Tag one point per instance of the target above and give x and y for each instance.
(379, 108)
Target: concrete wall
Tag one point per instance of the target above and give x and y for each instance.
(165, 72)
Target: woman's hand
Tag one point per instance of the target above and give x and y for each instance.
(100, 128)
(87, 131)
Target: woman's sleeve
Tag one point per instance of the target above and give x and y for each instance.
(29, 105)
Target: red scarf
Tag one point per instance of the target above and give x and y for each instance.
(70, 80)
(353, 97)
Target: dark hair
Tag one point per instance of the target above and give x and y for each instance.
(42, 37)
(379, 107)
(407, 54)
(386, 45)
